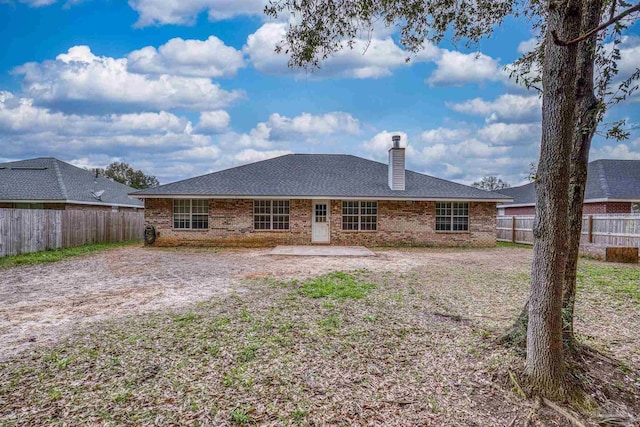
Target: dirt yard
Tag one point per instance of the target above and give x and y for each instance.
(41, 304)
(139, 336)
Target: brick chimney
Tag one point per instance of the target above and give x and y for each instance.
(396, 165)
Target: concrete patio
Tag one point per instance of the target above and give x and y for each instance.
(338, 251)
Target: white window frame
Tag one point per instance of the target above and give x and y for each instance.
(271, 214)
(451, 216)
(361, 206)
(190, 214)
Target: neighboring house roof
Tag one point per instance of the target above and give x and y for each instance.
(607, 181)
(316, 176)
(46, 179)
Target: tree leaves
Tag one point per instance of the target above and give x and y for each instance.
(125, 174)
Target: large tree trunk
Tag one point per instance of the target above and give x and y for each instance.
(544, 366)
(586, 117)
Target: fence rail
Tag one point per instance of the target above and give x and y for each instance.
(607, 230)
(33, 230)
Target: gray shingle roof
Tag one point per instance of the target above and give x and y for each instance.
(47, 178)
(316, 175)
(606, 179)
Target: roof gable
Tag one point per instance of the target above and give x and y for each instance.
(606, 179)
(49, 179)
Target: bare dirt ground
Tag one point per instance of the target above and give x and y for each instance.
(40, 304)
(234, 337)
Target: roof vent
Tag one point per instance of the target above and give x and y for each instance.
(396, 165)
(97, 195)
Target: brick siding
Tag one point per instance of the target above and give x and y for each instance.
(400, 223)
(607, 208)
(520, 211)
(588, 209)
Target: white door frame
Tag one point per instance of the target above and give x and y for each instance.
(326, 224)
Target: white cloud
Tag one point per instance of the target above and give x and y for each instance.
(465, 153)
(444, 135)
(37, 3)
(510, 133)
(80, 81)
(258, 137)
(185, 12)
(250, 155)
(195, 58)
(20, 116)
(378, 146)
(465, 160)
(527, 46)
(453, 171)
(619, 151)
(456, 68)
(507, 107)
(161, 144)
(213, 121)
(629, 60)
(279, 130)
(306, 124)
(367, 59)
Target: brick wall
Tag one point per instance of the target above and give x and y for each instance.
(589, 209)
(607, 208)
(400, 223)
(522, 210)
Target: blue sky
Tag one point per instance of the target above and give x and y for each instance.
(182, 88)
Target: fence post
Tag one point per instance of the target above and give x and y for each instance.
(590, 235)
(513, 229)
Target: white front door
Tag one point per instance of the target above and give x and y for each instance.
(320, 222)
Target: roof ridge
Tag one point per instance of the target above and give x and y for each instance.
(63, 187)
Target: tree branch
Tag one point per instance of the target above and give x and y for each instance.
(600, 27)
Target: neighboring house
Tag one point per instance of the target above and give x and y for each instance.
(613, 187)
(321, 198)
(48, 183)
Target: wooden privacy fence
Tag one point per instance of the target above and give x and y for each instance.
(606, 230)
(33, 230)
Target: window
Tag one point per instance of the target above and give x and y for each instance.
(359, 216)
(191, 214)
(321, 212)
(271, 214)
(452, 216)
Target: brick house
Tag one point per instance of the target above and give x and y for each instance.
(49, 183)
(613, 187)
(307, 199)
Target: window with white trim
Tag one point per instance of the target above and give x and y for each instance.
(191, 214)
(359, 215)
(271, 214)
(452, 216)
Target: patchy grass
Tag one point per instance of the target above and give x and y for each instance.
(623, 281)
(513, 245)
(336, 285)
(356, 348)
(45, 257)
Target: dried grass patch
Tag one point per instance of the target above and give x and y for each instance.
(418, 348)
